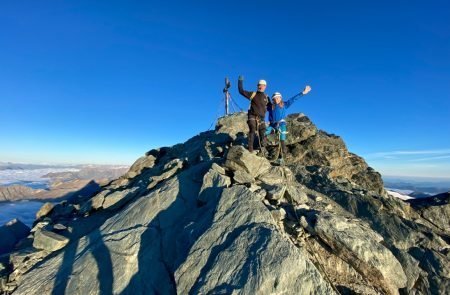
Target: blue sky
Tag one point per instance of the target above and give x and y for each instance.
(105, 81)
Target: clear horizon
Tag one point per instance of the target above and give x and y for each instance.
(104, 82)
(437, 178)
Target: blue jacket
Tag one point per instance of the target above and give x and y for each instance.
(277, 114)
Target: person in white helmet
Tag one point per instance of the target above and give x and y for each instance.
(256, 113)
(277, 114)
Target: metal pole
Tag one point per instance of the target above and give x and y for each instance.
(226, 103)
(227, 95)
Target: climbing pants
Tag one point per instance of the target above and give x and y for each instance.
(256, 123)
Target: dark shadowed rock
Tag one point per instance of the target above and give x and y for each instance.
(435, 209)
(11, 233)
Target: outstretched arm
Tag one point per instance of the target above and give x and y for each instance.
(291, 100)
(246, 94)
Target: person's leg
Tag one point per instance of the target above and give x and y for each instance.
(283, 149)
(262, 132)
(269, 130)
(283, 131)
(252, 129)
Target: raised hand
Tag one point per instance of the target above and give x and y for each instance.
(241, 78)
(306, 90)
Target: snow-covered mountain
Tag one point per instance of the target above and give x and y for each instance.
(398, 194)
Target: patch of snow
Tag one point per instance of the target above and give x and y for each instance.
(399, 195)
(401, 191)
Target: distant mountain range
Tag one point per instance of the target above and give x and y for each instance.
(27, 166)
(19, 181)
(417, 187)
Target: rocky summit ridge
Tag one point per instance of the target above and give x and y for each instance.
(208, 217)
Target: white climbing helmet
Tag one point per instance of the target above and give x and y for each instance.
(262, 82)
(276, 94)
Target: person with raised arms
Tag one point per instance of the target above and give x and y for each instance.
(256, 113)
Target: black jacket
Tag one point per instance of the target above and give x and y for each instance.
(258, 103)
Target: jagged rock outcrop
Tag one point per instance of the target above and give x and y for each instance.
(48, 240)
(361, 247)
(435, 209)
(11, 233)
(208, 217)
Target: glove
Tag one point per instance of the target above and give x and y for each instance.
(241, 78)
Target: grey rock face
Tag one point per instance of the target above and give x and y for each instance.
(296, 195)
(360, 246)
(169, 170)
(118, 198)
(251, 256)
(139, 165)
(213, 183)
(276, 175)
(233, 125)
(208, 217)
(276, 193)
(49, 241)
(239, 158)
(435, 209)
(243, 177)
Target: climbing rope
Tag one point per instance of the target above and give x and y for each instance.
(235, 103)
(234, 106)
(217, 115)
